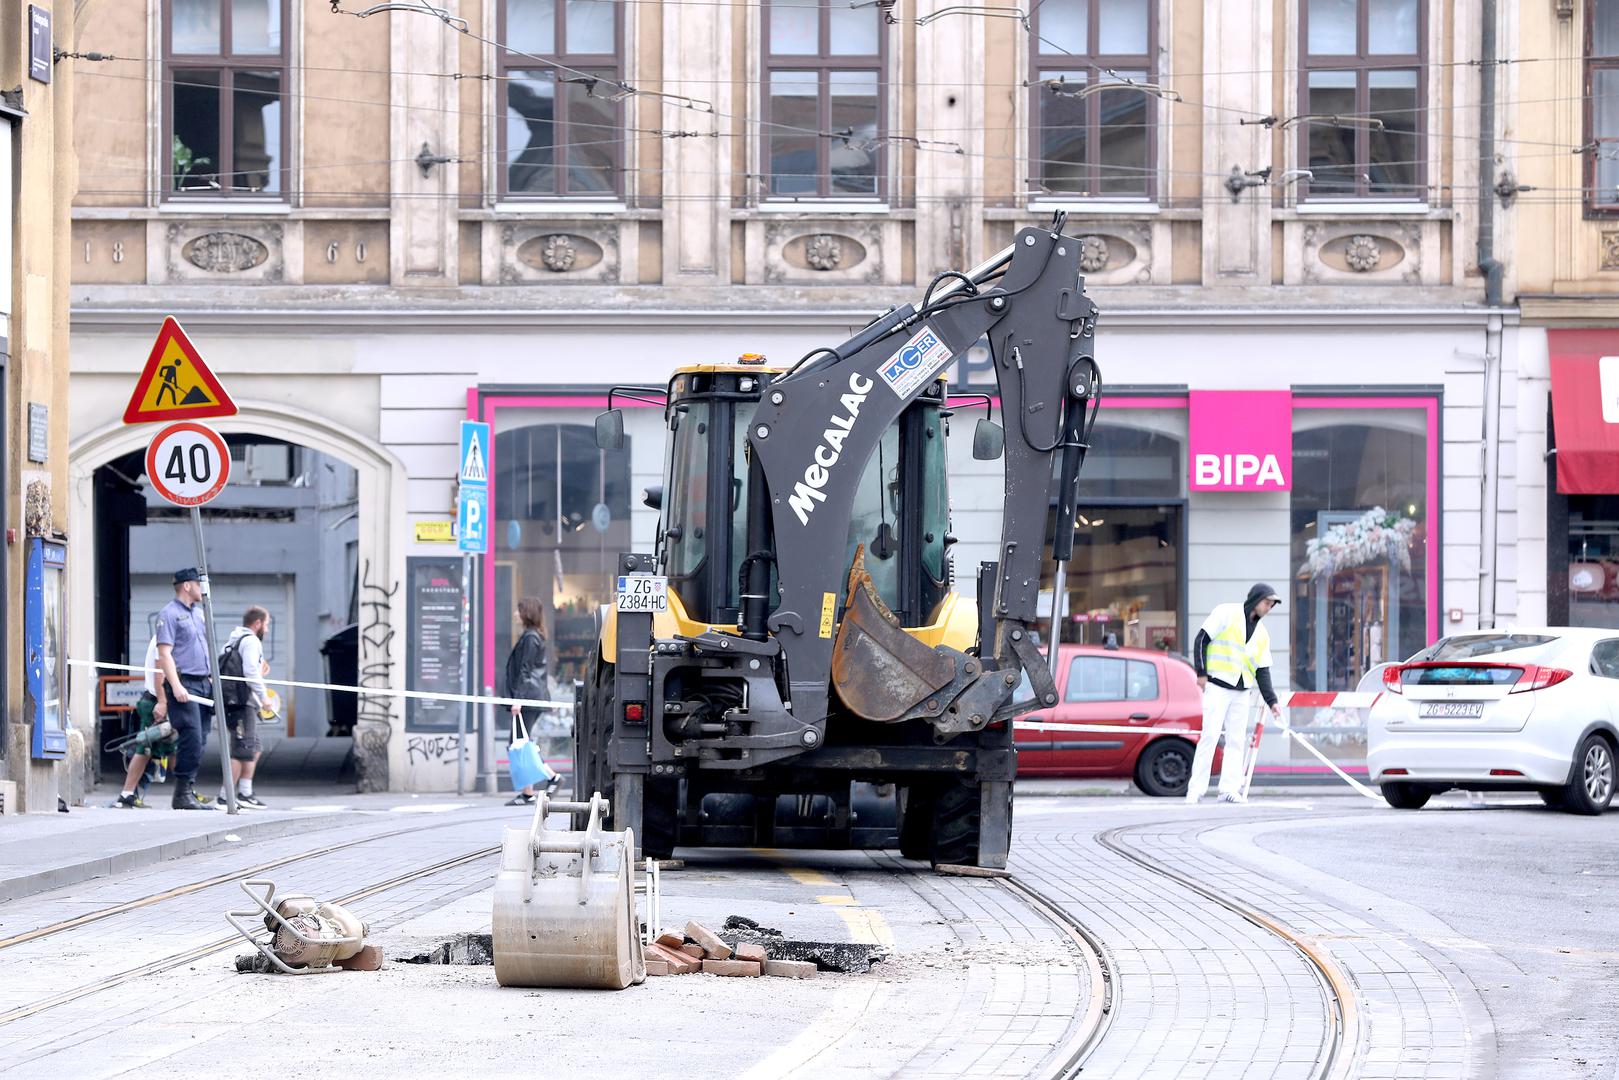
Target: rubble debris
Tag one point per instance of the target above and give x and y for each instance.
(742, 922)
(691, 950)
(670, 939)
(754, 954)
(713, 947)
(960, 870)
(474, 949)
(654, 966)
(841, 956)
(731, 968)
(678, 962)
(790, 969)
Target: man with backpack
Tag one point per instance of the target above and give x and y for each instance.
(244, 696)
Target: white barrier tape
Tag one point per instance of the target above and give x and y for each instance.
(1345, 777)
(367, 691)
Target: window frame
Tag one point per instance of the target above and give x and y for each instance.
(821, 63)
(228, 64)
(1361, 63)
(1094, 64)
(1590, 64)
(509, 63)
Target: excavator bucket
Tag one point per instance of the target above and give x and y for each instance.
(880, 671)
(564, 909)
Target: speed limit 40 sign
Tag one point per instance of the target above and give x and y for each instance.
(188, 463)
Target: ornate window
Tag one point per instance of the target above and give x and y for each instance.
(225, 83)
(559, 71)
(824, 87)
(1093, 136)
(1361, 84)
(1602, 106)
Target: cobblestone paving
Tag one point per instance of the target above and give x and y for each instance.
(1200, 991)
(1413, 1022)
(1015, 1014)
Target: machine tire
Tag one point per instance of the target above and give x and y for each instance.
(1165, 768)
(592, 727)
(957, 819)
(1590, 786)
(1404, 796)
(660, 818)
(916, 821)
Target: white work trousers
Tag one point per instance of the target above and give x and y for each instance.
(1223, 710)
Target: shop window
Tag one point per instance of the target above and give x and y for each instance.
(824, 88)
(1125, 579)
(562, 514)
(1592, 595)
(1361, 88)
(1360, 526)
(225, 78)
(559, 73)
(1093, 134)
(1602, 106)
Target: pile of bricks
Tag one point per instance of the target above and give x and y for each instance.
(700, 949)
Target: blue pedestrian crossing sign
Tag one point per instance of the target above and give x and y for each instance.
(472, 502)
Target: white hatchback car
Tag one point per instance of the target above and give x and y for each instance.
(1501, 710)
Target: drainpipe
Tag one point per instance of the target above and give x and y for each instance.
(1491, 268)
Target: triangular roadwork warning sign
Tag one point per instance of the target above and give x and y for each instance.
(472, 469)
(176, 384)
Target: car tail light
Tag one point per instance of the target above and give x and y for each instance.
(1505, 772)
(1391, 679)
(1396, 772)
(1536, 677)
(635, 712)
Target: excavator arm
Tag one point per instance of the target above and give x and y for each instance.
(810, 440)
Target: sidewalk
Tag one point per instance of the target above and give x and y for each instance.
(39, 852)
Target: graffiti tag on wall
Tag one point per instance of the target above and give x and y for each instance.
(374, 713)
(430, 749)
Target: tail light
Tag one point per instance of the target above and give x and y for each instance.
(1391, 679)
(1536, 677)
(635, 712)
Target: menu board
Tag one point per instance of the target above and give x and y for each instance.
(433, 663)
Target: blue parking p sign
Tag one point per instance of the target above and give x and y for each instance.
(472, 520)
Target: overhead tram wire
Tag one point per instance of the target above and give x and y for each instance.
(1247, 118)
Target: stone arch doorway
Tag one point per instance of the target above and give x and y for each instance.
(379, 486)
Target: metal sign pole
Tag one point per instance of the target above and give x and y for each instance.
(461, 719)
(213, 663)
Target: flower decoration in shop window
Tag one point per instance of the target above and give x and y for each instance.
(1375, 536)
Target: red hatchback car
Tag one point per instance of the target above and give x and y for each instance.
(1133, 688)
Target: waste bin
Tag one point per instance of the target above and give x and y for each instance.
(341, 653)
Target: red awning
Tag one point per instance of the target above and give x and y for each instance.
(1585, 410)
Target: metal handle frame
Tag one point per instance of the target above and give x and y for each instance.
(266, 906)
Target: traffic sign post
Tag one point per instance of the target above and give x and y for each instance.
(176, 384)
(189, 464)
(472, 534)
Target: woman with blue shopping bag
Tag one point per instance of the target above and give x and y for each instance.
(526, 679)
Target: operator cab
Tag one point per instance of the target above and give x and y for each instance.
(901, 513)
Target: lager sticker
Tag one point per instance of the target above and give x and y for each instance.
(916, 364)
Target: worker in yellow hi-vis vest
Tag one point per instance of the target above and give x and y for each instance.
(1232, 658)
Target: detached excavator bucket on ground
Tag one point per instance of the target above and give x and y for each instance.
(564, 909)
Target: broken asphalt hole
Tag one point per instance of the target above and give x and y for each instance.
(841, 956)
(472, 949)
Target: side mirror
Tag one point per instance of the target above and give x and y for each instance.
(652, 496)
(988, 440)
(610, 430)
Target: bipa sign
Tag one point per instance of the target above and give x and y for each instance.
(1240, 440)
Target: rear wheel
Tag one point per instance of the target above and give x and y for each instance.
(916, 821)
(1165, 767)
(957, 814)
(1590, 789)
(1406, 796)
(592, 728)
